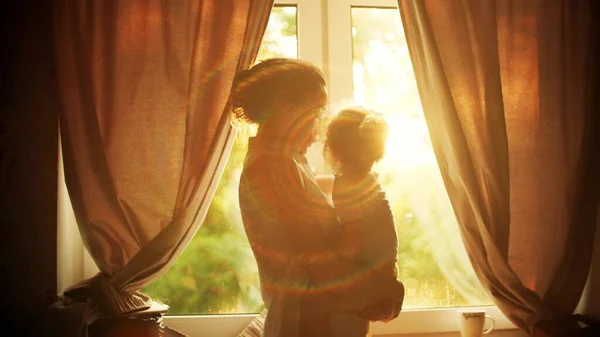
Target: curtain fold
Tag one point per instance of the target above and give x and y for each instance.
(145, 127)
(507, 89)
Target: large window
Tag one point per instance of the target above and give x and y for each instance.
(361, 47)
(217, 273)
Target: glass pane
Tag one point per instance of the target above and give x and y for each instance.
(217, 272)
(281, 36)
(432, 260)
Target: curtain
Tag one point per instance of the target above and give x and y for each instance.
(507, 89)
(145, 127)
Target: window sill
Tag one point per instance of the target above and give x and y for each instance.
(422, 323)
(495, 333)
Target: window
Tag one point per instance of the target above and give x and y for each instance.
(361, 48)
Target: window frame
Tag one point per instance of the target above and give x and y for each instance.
(322, 37)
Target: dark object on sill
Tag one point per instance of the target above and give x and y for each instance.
(127, 326)
(569, 326)
(61, 320)
(147, 326)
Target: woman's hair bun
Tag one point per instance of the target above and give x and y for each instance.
(255, 90)
(241, 97)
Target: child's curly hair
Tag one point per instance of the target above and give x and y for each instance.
(355, 140)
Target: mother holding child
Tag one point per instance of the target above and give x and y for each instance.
(326, 253)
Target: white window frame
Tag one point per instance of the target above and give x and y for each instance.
(325, 39)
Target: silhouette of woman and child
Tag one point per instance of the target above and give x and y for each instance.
(326, 248)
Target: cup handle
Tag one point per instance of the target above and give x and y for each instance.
(488, 330)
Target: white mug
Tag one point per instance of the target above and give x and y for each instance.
(472, 321)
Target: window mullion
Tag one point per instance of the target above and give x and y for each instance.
(339, 51)
(310, 28)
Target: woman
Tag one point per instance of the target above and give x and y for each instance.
(290, 223)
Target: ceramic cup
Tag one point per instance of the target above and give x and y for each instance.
(471, 322)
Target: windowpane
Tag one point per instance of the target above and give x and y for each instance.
(217, 272)
(432, 260)
(281, 36)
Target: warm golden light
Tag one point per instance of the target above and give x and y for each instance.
(408, 143)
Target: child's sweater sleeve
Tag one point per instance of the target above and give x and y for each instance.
(385, 227)
(384, 255)
(369, 236)
(368, 228)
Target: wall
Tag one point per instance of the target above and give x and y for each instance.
(28, 157)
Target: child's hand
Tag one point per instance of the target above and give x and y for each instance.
(384, 311)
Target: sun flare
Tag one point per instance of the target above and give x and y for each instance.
(408, 143)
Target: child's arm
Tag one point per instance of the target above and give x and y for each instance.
(388, 309)
(351, 200)
(365, 212)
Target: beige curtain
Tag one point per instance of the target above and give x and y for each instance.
(508, 90)
(144, 126)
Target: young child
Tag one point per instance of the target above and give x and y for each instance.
(355, 141)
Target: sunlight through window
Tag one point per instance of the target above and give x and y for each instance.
(217, 273)
(432, 260)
